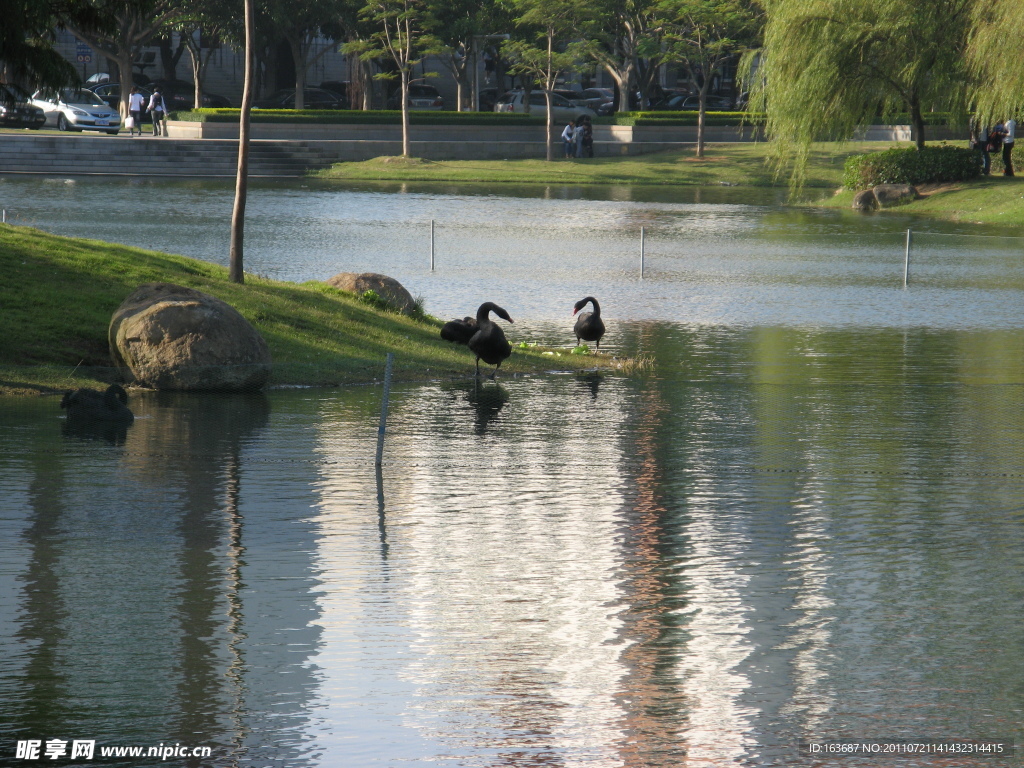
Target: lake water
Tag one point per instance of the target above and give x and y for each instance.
(805, 524)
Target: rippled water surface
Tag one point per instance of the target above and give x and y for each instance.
(803, 524)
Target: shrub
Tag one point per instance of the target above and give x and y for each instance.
(911, 166)
(357, 117)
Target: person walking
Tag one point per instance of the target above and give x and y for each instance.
(157, 111)
(569, 139)
(1009, 128)
(136, 105)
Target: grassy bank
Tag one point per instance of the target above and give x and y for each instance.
(992, 200)
(59, 294)
(732, 164)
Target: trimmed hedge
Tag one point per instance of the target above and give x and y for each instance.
(357, 117)
(665, 118)
(421, 117)
(911, 166)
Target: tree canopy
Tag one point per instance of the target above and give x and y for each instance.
(829, 67)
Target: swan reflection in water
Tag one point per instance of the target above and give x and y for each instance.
(486, 402)
(591, 381)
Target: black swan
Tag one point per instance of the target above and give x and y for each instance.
(489, 341)
(459, 331)
(589, 326)
(90, 405)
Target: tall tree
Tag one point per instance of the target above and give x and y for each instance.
(26, 38)
(628, 32)
(211, 22)
(399, 35)
(704, 35)
(302, 23)
(830, 67)
(235, 254)
(996, 23)
(548, 48)
(135, 22)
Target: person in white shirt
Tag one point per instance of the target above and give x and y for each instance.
(1009, 128)
(136, 104)
(569, 139)
(157, 111)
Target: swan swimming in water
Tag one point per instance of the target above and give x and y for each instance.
(589, 326)
(89, 405)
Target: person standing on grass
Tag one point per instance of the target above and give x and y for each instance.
(1009, 128)
(136, 104)
(569, 139)
(157, 111)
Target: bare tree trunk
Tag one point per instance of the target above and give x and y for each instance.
(405, 111)
(549, 83)
(235, 272)
(918, 119)
(299, 59)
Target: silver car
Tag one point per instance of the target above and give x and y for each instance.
(561, 108)
(71, 109)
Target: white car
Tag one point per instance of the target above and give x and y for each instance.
(73, 110)
(561, 108)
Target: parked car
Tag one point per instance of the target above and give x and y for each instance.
(573, 95)
(691, 103)
(339, 87)
(181, 95)
(314, 98)
(487, 99)
(561, 108)
(73, 109)
(16, 111)
(601, 100)
(420, 97)
(111, 94)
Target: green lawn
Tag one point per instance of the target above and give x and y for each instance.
(59, 294)
(991, 200)
(732, 164)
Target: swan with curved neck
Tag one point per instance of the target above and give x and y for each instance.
(589, 325)
(488, 342)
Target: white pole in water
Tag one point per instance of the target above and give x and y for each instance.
(384, 409)
(5, 215)
(906, 261)
(641, 253)
(431, 245)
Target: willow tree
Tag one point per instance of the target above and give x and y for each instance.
(830, 67)
(996, 23)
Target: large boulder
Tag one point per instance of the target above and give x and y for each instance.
(889, 195)
(172, 337)
(389, 289)
(865, 200)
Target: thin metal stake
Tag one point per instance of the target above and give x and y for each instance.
(5, 215)
(431, 245)
(384, 408)
(906, 260)
(641, 253)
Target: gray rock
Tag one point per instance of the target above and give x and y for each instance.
(389, 289)
(172, 337)
(865, 200)
(889, 195)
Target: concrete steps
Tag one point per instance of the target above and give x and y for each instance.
(86, 154)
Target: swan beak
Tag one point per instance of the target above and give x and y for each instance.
(574, 311)
(511, 320)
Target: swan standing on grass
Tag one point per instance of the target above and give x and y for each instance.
(89, 405)
(489, 341)
(459, 331)
(589, 326)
